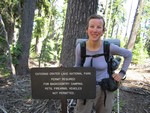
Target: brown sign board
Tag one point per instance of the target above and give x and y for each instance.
(61, 82)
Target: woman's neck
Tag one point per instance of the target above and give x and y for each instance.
(93, 45)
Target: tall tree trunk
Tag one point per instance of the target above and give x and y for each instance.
(106, 9)
(25, 35)
(77, 13)
(109, 18)
(3, 34)
(135, 26)
(128, 19)
(10, 31)
(112, 29)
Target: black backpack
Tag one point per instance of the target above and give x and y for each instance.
(111, 62)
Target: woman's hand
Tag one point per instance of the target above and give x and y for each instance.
(117, 77)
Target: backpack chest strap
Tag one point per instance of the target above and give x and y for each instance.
(94, 56)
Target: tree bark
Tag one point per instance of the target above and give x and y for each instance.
(10, 31)
(136, 24)
(77, 13)
(25, 36)
(3, 34)
(109, 18)
(128, 19)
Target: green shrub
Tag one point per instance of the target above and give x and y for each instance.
(139, 51)
(16, 51)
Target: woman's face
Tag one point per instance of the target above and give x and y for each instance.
(95, 29)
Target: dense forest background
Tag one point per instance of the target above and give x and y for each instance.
(45, 31)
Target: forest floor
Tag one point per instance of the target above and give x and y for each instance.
(15, 94)
(135, 90)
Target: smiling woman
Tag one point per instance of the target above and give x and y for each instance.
(95, 57)
(95, 29)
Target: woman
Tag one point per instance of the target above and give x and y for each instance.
(94, 45)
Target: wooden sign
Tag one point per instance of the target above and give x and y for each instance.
(69, 83)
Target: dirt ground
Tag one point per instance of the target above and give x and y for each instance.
(15, 94)
(135, 90)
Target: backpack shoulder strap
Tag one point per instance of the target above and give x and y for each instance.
(83, 52)
(106, 50)
(108, 58)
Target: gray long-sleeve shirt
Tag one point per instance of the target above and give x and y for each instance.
(99, 63)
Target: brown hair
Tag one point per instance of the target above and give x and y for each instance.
(95, 16)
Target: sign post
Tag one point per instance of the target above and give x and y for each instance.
(63, 83)
(64, 105)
